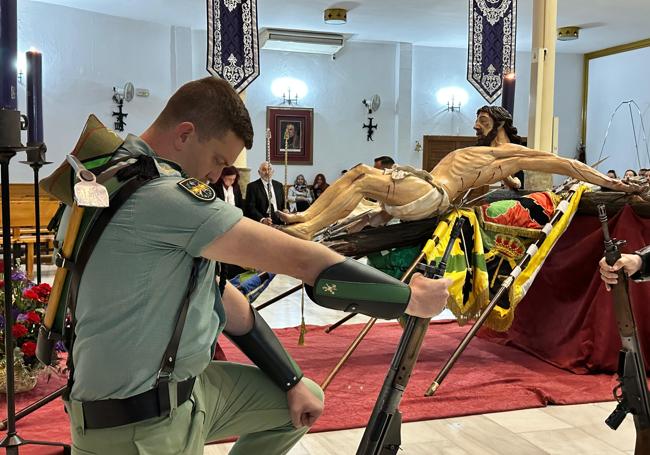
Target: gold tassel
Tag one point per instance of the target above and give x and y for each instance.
(303, 327)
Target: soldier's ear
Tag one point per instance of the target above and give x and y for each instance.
(182, 132)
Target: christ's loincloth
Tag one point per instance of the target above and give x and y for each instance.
(433, 202)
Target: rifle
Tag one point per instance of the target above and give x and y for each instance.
(382, 435)
(632, 389)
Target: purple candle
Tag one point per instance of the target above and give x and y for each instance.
(8, 52)
(508, 92)
(34, 97)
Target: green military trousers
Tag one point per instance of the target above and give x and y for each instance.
(228, 399)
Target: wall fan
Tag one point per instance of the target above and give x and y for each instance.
(373, 104)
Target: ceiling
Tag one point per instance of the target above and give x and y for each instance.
(440, 23)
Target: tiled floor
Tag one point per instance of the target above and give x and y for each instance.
(555, 430)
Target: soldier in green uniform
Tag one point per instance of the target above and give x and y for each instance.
(123, 400)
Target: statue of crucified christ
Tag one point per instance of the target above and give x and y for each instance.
(410, 194)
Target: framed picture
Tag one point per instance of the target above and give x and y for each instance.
(292, 133)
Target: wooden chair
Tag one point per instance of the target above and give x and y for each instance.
(23, 226)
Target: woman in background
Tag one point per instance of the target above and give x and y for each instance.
(299, 195)
(320, 185)
(227, 187)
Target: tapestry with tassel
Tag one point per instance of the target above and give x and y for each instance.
(491, 46)
(233, 50)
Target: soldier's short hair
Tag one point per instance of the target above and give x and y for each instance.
(214, 108)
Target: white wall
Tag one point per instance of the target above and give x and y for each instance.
(613, 79)
(84, 55)
(336, 88)
(435, 68)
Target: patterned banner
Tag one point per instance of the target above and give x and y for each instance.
(491, 47)
(233, 51)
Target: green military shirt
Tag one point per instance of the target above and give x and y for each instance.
(134, 283)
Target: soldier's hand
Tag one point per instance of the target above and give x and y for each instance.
(428, 297)
(630, 263)
(304, 407)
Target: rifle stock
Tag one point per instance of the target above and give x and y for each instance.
(382, 434)
(632, 389)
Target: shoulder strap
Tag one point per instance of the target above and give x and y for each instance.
(140, 173)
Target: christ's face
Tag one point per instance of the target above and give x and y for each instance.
(483, 125)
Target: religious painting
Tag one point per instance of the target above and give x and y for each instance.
(291, 134)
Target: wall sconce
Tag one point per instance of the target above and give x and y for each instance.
(452, 97)
(418, 147)
(289, 89)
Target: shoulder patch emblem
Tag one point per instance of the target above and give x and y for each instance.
(198, 189)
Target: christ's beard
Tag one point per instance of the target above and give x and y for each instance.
(486, 140)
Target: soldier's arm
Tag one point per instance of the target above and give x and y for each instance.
(251, 244)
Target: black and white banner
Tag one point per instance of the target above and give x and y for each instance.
(233, 50)
(491, 46)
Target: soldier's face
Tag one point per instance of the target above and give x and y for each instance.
(210, 157)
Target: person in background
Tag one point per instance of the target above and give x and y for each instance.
(320, 185)
(261, 193)
(299, 195)
(629, 173)
(611, 173)
(384, 162)
(227, 187)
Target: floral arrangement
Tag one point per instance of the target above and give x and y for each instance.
(29, 301)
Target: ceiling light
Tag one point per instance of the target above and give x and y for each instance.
(335, 16)
(568, 33)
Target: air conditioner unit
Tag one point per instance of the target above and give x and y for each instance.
(300, 41)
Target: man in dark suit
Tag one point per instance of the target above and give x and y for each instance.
(260, 192)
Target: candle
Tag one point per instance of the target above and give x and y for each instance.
(508, 92)
(34, 97)
(8, 51)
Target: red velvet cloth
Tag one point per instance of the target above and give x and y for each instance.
(567, 317)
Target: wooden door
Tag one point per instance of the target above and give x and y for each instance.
(436, 147)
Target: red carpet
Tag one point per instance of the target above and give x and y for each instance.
(487, 378)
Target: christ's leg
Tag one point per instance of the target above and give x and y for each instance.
(325, 200)
(344, 199)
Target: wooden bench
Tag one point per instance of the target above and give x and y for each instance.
(23, 226)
